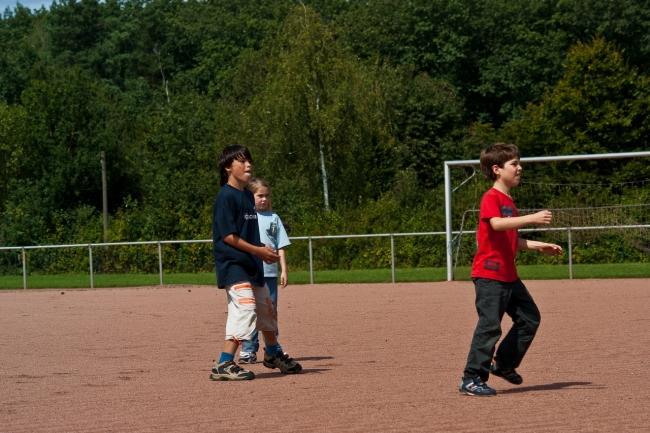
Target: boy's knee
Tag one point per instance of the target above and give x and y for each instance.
(535, 319)
(532, 322)
(490, 329)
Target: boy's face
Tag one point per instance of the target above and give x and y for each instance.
(240, 173)
(510, 174)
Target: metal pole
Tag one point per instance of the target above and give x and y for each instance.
(90, 261)
(392, 258)
(450, 264)
(160, 272)
(104, 196)
(570, 253)
(24, 269)
(311, 264)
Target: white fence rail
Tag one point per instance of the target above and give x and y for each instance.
(569, 230)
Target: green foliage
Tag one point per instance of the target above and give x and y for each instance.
(599, 105)
(317, 110)
(362, 99)
(12, 126)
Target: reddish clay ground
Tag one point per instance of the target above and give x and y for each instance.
(376, 358)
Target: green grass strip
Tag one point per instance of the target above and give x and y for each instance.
(529, 272)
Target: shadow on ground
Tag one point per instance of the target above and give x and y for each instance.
(270, 375)
(552, 387)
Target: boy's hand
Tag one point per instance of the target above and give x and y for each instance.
(550, 249)
(267, 254)
(542, 217)
(283, 279)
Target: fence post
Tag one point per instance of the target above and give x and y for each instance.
(570, 253)
(90, 264)
(160, 267)
(24, 269)
(392, 258)
(311, 264)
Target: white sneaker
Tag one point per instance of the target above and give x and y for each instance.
(247, 357)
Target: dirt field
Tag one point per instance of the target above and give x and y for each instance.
(376, 358)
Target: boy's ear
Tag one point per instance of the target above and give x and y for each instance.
(495, 168)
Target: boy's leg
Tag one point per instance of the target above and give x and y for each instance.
(252, 346)
(249, 349)
(526, 318)
(272, 284)
(274, 357)
(491, 299)
(230, 347)
(242, 315)
(248, 353)
(240, 325)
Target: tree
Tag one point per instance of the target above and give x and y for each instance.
(428, 123)
(599, 105)
(318, 110)
(13, 125)
(17, 52)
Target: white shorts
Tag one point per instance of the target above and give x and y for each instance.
(249, 308)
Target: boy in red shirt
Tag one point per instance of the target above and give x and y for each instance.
(498, 288)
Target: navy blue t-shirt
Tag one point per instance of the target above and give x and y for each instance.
(234, 213)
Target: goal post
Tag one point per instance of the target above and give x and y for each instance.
(475, 162)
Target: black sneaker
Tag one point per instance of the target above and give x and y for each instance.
(282, 361)
(509, 375)
(475, 386)
(230, 371)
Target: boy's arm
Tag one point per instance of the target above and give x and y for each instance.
(500, 224)
(542, 247)
(284, 280)
(265, 253)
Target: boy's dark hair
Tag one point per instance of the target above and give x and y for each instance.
(499, 154)
(228, 155)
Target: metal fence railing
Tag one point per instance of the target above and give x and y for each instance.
(90, 246)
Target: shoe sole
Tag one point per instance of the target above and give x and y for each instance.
(471, 394)
(220, 378)
(297, 370)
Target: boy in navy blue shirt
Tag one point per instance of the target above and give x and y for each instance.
(238, 257)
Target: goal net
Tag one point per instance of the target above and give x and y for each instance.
(600, 205)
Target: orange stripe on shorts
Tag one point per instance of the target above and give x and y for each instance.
(247, 301)
(242, 286)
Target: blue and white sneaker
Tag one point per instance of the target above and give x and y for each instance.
(247, 357)
(475, 386)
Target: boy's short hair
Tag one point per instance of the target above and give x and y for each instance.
(228, 155)
(499, 154)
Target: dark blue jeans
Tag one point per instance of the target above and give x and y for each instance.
(253, 344)
(493, 299)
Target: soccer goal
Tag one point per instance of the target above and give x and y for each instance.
(598, 200)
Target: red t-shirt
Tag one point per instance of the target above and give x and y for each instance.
(496, 252)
